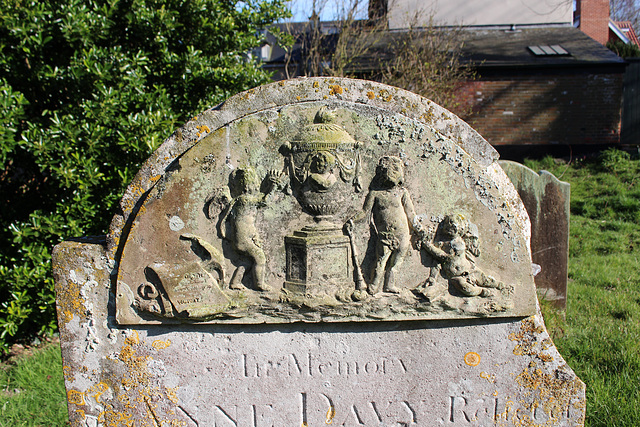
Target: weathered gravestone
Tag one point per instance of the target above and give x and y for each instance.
(546, 199)
(313, 252)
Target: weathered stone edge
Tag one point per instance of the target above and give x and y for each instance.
(290, 92)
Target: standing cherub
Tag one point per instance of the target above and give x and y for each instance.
(240, 216)
(393, 213)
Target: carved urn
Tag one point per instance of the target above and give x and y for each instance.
(322, 162)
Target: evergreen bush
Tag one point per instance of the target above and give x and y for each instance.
(89, 88)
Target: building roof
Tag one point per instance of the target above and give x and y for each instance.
(627, 29)
(495, 48)
(516, 48)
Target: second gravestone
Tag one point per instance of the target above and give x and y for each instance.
(313, 252)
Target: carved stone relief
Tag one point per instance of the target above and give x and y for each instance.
(319, 212)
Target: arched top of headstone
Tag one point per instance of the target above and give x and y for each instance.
(322, 199)
(289, 92)
(528, 176)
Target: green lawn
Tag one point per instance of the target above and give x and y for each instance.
(32, 390)
(599, 336)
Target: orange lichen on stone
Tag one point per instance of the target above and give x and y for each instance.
(529, 342)
(203, 129)
(550, 393)
(336, 90)
(160, 345)
(385, 95)
(472, 359)
(545, 357)
(316, 84)
(125, 400)
(69, 301)
(97, 390)
(76, 397)
(115, 419)
(140, 400)
(371, 95)
(489, 377)
(67, 372)
(134, 192)
(171, 394)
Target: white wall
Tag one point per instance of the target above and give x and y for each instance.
(481, 12)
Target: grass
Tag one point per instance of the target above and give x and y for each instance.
(599, 335)
(32, 389)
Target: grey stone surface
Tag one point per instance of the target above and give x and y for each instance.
(138, 350)
(547, 200)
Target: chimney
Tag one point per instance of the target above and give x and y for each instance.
(592, 17)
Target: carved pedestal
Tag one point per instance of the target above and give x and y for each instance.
(318, 261)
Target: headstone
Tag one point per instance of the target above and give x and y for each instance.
(546, 200)
(312, 252)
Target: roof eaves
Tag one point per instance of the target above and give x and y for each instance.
(618, 32)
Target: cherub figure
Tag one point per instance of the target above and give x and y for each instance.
(392, 211)
(454, 255)
(321, 177)
(240, 217)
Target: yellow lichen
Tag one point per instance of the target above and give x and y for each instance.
(67, 372)
(472, 359)
(528, 341)
(335, 90)
(97, 390)
(69, 300)
(171, 394)
(160, 345)
(550, 393)
(75, 397)
(385, 95)
(139, 394)
(489, 377)
(111, 418)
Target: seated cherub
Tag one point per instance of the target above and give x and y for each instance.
(454, 255)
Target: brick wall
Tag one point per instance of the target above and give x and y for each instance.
(562, 108)
(594, 19)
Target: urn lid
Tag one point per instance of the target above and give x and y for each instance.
(323, 135)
